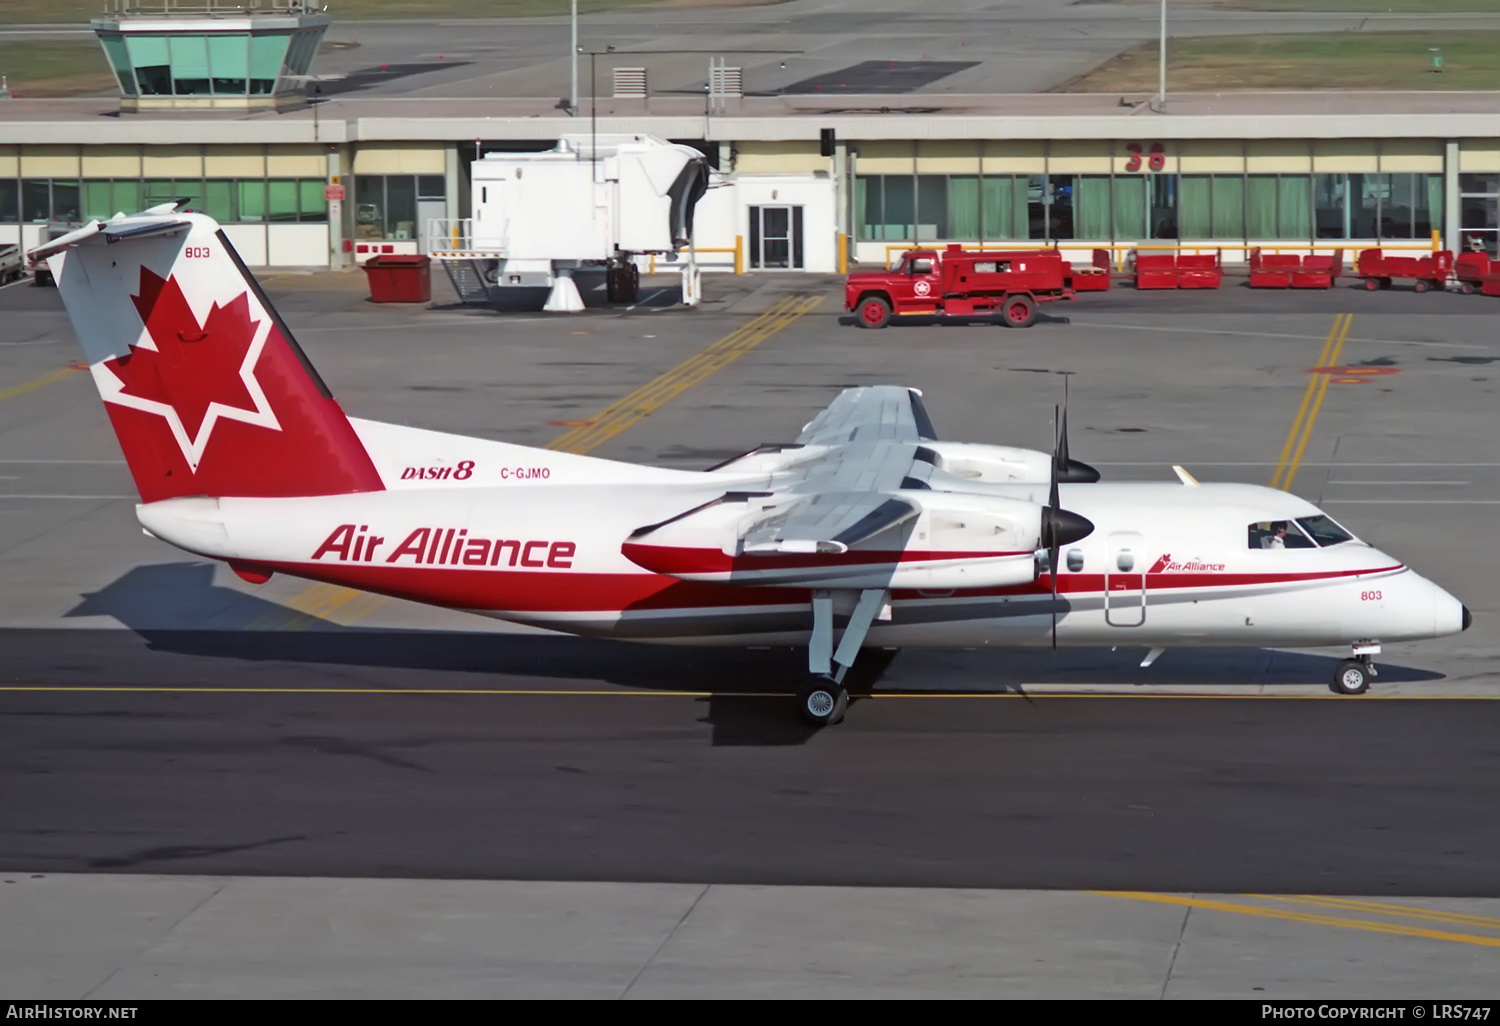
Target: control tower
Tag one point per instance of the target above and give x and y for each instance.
(211, 54)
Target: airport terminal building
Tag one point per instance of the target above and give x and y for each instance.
(331, 183)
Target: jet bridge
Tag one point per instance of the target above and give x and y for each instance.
(590, 202)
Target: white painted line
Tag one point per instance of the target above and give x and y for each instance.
(18, 281)
(1412, 502)
(1269, 334)
(647, 300)
(91, 498)
(1398, 482)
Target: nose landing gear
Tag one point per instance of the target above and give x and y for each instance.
(1352, 677)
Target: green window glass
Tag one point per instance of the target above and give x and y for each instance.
(159, 191)
(119, 60)
(1195, 207)
(252, 200)
(1092, 213)
(1434, 211)
(963, 208)
(219, 200)
(96, 201)
(1130, 208)
(369, 207)
(153, 65)
(229, 64)
(189, 65)
(1294, 207)
(312, 199)
(125, 197)
(1004, 204)
(861, 199)
(282, 202)
(932, 207)
(190, 190)
(1229, 207)
(1260, 207)
(900, 211)
(1330, 206)
(266, 56)
(65, 201)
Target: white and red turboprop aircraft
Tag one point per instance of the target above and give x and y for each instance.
(867, 530)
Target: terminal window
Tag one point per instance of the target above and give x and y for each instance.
(1129, 208)
(226, 200)
(394, 206)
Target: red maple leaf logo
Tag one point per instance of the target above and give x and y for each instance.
(194, 365)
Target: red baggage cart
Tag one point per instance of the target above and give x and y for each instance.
(1091, 277)
(1178, 270)
(1379, 269)
(1476, 272)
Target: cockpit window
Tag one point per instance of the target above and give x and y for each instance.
(1324, 531)
(1278, 534)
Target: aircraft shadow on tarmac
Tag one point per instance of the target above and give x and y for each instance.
(209, 637)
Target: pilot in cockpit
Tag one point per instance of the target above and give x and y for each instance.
(1276, 539)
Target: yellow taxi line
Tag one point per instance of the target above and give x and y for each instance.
(1388, 909)
(44, 380)
(1312, 403)
(1309, 918)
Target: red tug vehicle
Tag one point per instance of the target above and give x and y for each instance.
(956, 283)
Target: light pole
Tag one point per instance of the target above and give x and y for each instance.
(1161, 71)
(573, 92)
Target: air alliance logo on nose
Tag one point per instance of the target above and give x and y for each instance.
(191, 373)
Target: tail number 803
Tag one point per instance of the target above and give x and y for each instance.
(1370, 596)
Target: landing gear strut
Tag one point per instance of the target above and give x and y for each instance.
(823, 699)
(1352, 677)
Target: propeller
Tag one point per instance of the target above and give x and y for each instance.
(1064, 467)
(1060, 526)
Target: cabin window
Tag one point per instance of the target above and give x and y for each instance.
(1278, 534)
(1324, 531)
(1125, 561)
(921, 266)
(1075, 560)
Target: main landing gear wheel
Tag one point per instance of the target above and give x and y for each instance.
(1351, 678)
(822, 702)
(874, 313)
(1019, 311)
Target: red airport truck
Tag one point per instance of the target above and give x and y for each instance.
(956, 283)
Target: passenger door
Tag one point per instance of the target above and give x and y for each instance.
(1125, 580)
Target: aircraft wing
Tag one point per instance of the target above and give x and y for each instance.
(871, 413)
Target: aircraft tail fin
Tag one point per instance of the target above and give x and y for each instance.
(207, 390)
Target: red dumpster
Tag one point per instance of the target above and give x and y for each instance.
(1273, 270)
(399, 278)
(1428, 272)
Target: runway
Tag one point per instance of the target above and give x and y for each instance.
(576, 771)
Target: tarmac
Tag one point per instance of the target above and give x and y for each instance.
(214, 789)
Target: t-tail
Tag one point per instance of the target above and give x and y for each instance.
(207, 390)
